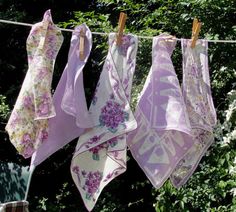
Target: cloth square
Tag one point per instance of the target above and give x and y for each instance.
(199, 103)
(28, 124)
(100, 154)
(162, 137)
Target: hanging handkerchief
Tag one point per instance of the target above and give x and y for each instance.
(28, 123)
(100, 153)
(69, 99)
(199, 103)
(161, 138)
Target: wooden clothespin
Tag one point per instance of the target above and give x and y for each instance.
(42, 39)
(81, 44)
(195, 31)
(121, 26)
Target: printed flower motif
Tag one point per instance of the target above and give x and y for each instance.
(76, 169)
(112, 96)
(194, 71)
(27, 101)
(43, 135)
(24, 132)
(95, 150)
(113, 142)
(43, 106)
(94, 139)
(51, 39)
(112, 115)
(92, 183)
(28, 151)
(51, 53)
(27, 143)
(201, 108)
(26, 139)
(42, 73)
(14, 119)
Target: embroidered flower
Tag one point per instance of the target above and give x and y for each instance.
(112, 115)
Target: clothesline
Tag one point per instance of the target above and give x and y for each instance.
(104, 33)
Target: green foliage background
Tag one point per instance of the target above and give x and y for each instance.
(213, 185)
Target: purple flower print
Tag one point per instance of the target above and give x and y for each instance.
(112, 96)
(43, 106)
(14, 119)
(51, 39)
(26, 139)
(28, 151)
(27, 101)
(92, 183)
(43, 135)
(94, 139)
(113, 142)
(84, 173)
(95, 150)
(201, 108)
(75, 169)
(194, 71)
(112, 115)
(42, 73)
(34, 31)
(51, 53)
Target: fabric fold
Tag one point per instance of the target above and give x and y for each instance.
(199, 103)
(69, 99)
(161, 138)
(28, 124)
(100, 154)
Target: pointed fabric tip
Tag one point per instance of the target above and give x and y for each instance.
(47, 15)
